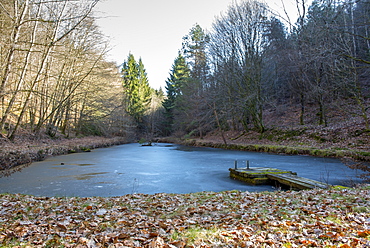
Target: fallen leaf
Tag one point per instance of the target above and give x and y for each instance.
(363, 234)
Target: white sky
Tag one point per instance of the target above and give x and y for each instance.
(153, 29)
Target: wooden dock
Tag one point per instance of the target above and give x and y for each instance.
(263, 175)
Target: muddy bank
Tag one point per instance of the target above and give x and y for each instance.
(16, 155)
(353, 158)
(216, 142)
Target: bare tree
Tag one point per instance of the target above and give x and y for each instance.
(16, 14)
(36, 31)
(237, 45)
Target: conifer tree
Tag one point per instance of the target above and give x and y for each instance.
(179, 75)
(194, 49)
(136, 86)
(145, 91)
(193, 120)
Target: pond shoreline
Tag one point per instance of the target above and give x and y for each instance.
(17, 155)
(20, 154)
(353, 158)
(272, 148)
(337, 217)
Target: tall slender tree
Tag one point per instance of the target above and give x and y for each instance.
(238, 46)
(180, 74)
(195, 52)
(53, 75)
(194, 99)
(136, 87)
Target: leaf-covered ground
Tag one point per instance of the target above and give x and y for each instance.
(314, 218)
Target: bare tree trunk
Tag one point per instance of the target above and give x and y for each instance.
(23, 73)
(39, 73)
(19, 19)
(218, 122)
(302, 102)
(358, 89)
(30, 90)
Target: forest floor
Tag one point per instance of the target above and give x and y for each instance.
(308, 218)
(342, 131)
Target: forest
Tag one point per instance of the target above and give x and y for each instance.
(56, 79)
(250, 64)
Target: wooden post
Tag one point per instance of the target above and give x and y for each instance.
(236, 164)
(247, 162)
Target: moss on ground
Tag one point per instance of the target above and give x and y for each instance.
(290, 150)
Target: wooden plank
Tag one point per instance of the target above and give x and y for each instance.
(297, 182)
(312, 182)
(265, 175)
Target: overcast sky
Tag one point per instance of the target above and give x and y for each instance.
(153, 29)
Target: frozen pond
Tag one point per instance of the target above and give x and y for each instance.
(168, 168)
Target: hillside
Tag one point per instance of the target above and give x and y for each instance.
(343, 131)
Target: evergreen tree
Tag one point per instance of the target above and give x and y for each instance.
(180, 74)
(145, 91)
(194, 99)
(194, 49)
(136, 86)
